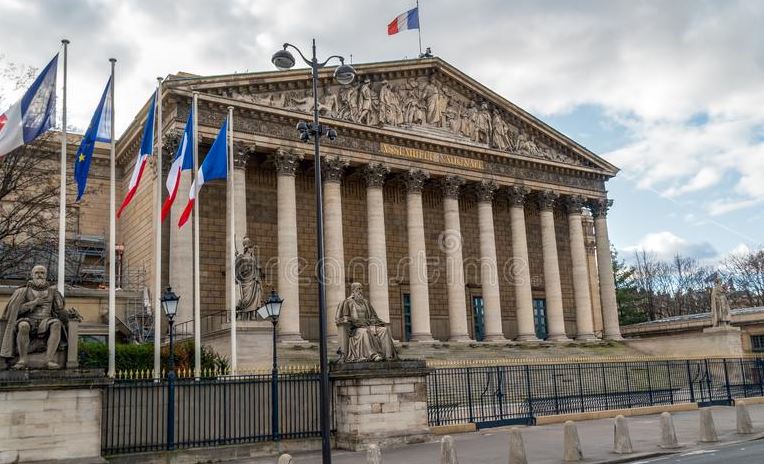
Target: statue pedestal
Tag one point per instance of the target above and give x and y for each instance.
(724, 339)
(381, 403)
(254, 343)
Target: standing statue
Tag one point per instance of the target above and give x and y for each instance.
(469, 122)
(720, 306)
(249, 277)
(364, 101)
(35, 319)
(483, 125)
(363, 335)
(500, 132)
(432, 96)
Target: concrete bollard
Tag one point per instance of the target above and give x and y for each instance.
(285, 459)
(447, 451)
(707, 427)
(668, 433)
(373, 455)
(744, 424)
(572, 443)
(621, 437)
(516, 447)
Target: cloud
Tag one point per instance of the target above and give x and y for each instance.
(665, 245)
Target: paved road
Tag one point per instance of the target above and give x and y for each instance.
(741, 453)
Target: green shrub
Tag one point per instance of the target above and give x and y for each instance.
(140, 357)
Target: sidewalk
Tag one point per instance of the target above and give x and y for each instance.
(543, 444)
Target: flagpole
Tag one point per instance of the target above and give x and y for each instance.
(158, 236)
(232, 241)
(112, 236)
(62, 189)
(419, 29)
(197, 297)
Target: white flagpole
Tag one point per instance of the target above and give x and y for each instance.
(112, 237)
(232, 241)
(158, 235)
(197, 296)
(419, 29)
(62, 194)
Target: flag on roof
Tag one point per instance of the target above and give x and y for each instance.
(183, 161)
(404, 22)
(146, 150)
(215, 166)
(99, 130)
(33, 114)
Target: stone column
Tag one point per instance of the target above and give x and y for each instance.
(599, 209)
(375, 234)
(451, 244)
(584, 323)
(521, 272)
(594, 284)
(241, 154)
(334, 250)
(180, 271)
(287, 163)
(418, 285)
(552, 288)
(489, 272)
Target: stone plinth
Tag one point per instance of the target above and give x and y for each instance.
(714, 341)
(50, 415)
(382, 403)
(254, 343)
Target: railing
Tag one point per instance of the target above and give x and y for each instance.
(206, 412)
(511, 394)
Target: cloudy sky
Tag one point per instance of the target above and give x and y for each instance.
(672, 92)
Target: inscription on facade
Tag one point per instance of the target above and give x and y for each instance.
(430, 156)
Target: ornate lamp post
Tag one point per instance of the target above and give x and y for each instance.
(270, 310)
(170, 305)
(344, 74)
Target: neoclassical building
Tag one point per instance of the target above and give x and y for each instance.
(464, 217)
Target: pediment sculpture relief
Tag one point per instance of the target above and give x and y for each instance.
(416, 103)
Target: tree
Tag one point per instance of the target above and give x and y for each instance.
(630, 308)
(745, 271)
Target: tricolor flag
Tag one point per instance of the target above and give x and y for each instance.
(183, 161)
(215, 166)
(404, 22)
(147, 148)
(99, 130)
(31, 116)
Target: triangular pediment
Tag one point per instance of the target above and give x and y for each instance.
(425, 97)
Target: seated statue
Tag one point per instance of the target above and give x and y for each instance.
(363, 335)
(34, 319)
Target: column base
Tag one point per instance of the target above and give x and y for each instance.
(422, 338)
(615, 337)
(528, 339)
(586, 338)
(291, 338)
(460, 339)
(495, 338)
(558, 338)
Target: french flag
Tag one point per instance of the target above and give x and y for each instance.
(183, 161)
(146, 150)
(404, 22)
(31, 116)
(215, 166)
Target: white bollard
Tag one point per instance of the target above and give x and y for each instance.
(285, 459)
(516, 447)
(707, 427)
(572, 443)
(621, 437)
(668, 433)
(447, 451)
(373, 455)
(744, 424)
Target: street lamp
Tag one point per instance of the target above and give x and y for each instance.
(343, 74)
(270, 310)
(170, 306)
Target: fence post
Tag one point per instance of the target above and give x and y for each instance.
(500, 390)
(604, 386)
(649, 383)
(580, 386)
(671, 386)
(761, 382)
(690, 382)
(554, 384)
(437, 397)
(745, 380)
(529, 396)
(469, 393)
(727, 381)
(171, 410)
(628, 383)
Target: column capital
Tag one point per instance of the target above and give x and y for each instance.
(451, 186)
(332, 169)
(375, 174)
(600, 206)
(241, 154)
(517, 195)
(170, 142)
(485, 189)
(574, 203)
(546, 199)
(415, 179)
(287, 162)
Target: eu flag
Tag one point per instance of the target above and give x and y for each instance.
(99, 130)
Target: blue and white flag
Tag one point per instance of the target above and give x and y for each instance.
(34, 114)
(99, 130)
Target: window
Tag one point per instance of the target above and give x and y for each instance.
(757, 343)
(539, 318)
(406, 317)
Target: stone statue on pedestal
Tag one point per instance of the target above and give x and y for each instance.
(35, 320)
(720, 306)
(248, 277)
(363, 335)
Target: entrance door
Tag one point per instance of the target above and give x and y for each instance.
(539, 318)
(406, 317)
(478, 317)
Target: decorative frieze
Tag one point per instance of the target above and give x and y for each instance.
(375, 174)
(332, 169)
(286, 161)
(451, 186)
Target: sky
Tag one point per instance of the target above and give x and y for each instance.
(671, 92)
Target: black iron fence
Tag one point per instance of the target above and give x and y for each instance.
(206, 412)
(516, 394)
